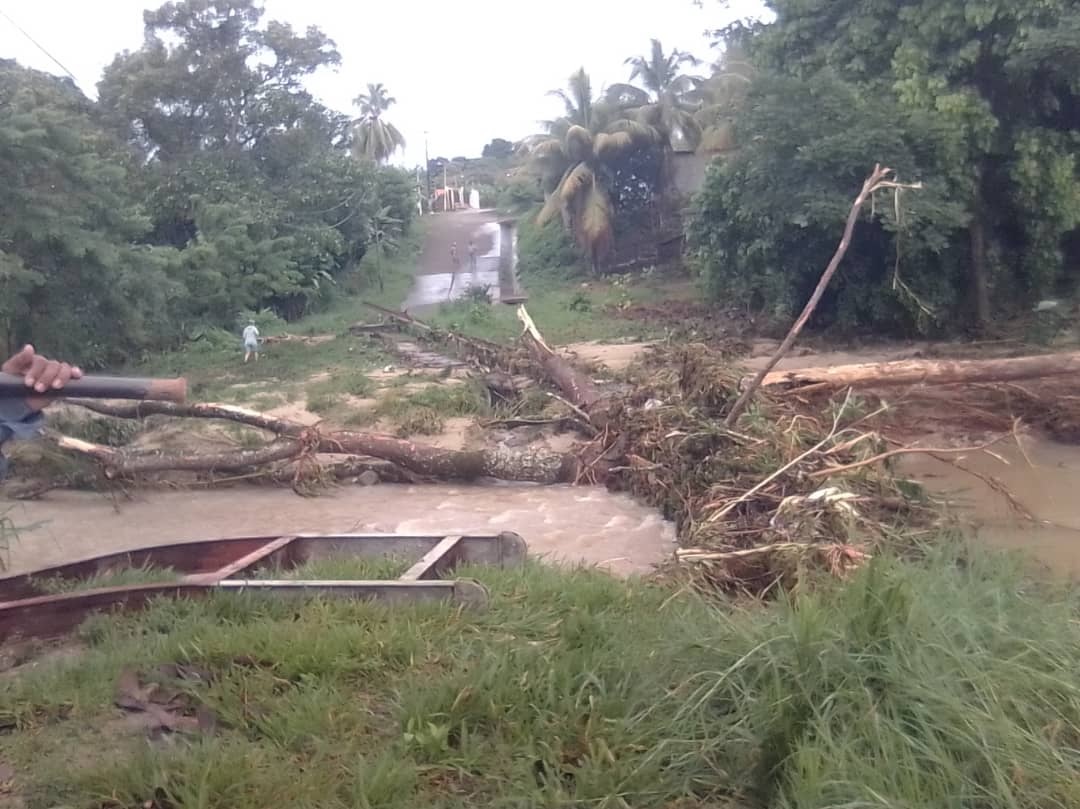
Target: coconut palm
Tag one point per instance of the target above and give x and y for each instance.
(722, 96)
(374, 137)
(575, 159)
(664, 97)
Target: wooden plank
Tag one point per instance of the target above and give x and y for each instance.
(243, 563)
(434, 561)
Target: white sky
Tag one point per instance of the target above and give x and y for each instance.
(453, 70)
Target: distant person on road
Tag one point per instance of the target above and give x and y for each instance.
(453, 255)
(472, 255)
(251, 341)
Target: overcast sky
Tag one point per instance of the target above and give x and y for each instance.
(466, 72)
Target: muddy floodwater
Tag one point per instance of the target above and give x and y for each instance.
(1043, 477)
(560, 523)
(575, 525)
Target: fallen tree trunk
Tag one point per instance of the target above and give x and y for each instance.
(923, 372)
(120, 462)
(530, 465)
(527, 465)
(490, 354)
(242, 415)
(575, 385)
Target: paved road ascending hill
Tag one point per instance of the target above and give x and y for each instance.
(436, 278)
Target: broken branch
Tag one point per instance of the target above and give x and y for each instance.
(878, 180)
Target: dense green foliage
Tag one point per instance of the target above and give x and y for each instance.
(546, 249)
(976, 100)
(205, 181)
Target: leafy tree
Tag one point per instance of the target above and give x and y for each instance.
(577, 159)
(72, 276)
(665, 100)
(723, 96)
(768, 217)
(499, 149)
(985, 101)
(210, 76)
(374, 137)
(244, 171)
(384, 231)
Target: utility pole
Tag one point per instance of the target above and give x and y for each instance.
(427, 166)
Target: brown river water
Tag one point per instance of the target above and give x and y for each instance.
(560, 523)
(579, 525)
(1043, 477)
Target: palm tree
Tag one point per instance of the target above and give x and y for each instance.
(665, 99)
(575, 158)
(382, 232)
(374, 137)
(723, 95)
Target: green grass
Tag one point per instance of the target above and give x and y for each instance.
(112, 578)
(424, 412)
(564, 311)
(342, 569)
(214, 363)
(213, 369)
(339, 384)
(949, 683)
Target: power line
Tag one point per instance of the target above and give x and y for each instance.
(38, 45)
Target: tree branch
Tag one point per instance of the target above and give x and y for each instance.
(118, 462)
(241, 415)
(877, 181)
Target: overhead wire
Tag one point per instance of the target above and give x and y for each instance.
(38, 45)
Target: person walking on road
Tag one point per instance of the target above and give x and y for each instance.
(472, 255)
(454, 255)
(251, 341)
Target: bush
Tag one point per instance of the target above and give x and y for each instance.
(547, 250)
(768, 219)
(519, 195)
(266, 320)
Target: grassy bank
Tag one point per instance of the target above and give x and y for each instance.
(569, 310)
(214, 363)
(945, 683)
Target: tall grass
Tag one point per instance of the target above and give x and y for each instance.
(949, 683)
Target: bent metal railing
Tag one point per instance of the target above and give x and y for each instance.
(227, 565)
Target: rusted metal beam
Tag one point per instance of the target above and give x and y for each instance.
(244, 563)
(212, 565)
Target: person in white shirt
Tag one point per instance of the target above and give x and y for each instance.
(251, 341)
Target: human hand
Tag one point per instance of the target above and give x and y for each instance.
(40, 374)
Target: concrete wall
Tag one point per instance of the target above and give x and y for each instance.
(688, 169)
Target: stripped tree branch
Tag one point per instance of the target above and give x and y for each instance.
(877, 181)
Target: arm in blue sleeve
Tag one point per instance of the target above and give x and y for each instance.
(17, 420)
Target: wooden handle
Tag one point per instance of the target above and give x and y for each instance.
(101, 387)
